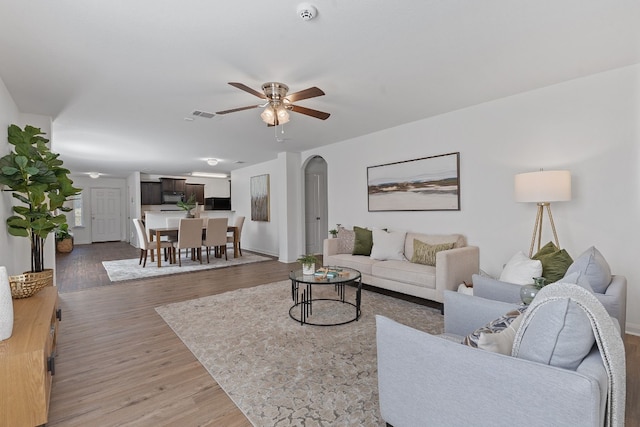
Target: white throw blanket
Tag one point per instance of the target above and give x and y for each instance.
(607, 337)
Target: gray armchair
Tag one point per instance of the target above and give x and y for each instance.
(435, 380)
(614, 299)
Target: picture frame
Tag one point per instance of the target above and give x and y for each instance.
(260, 200)
(424, 184)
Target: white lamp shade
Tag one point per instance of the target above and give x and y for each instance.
(543, 186)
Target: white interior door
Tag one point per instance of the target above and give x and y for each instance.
(105, 215)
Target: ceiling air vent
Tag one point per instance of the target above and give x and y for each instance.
(204, 114)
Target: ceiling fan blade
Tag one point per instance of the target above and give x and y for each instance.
(248, 89)
(309, 112)
(312, 92)
(237, 109)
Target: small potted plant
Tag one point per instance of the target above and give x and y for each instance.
(333, 232)
(188, 205)
(64, 239)
(308, 263)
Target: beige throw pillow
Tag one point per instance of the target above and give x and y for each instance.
(424, 253)
(500, 342)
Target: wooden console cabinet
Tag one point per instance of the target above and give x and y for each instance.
(27, 360)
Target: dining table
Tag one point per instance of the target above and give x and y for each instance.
(156, 233)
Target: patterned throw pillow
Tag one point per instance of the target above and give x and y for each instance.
(498, 325)
(346, 239)
(424, 253)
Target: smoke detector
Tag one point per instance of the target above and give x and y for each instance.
(307, 11)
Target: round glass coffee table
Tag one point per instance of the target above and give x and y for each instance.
(334, 293)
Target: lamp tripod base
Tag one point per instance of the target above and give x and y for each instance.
(537, 227)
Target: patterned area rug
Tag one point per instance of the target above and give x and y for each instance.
(128, 269)
(280, 373)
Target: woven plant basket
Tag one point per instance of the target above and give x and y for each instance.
(29, 284)
(65, 245)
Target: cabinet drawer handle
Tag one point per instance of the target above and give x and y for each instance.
(59, 314)
(51, 364)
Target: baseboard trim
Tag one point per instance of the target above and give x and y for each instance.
(632, 329)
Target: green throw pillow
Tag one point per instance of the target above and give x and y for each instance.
(363, 242)
(545, 250)
(424, 253)
(555, 265)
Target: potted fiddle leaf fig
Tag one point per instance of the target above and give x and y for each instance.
(39, 182)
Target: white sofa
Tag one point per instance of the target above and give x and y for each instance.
(453, 267)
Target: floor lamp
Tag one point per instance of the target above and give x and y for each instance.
(543, 187)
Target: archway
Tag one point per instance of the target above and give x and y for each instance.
(315, 204)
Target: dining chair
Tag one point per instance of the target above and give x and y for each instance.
(145, 245)
(189, 237)
(239, 222)
(216, 236)
(172, 222)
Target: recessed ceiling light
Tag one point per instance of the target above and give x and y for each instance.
(94, 175)
(212, 162)
(209, 175)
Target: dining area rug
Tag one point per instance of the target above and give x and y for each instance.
(129, 269)
(281, 373)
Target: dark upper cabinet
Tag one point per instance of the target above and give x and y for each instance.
(151, 193)
(197, 190)
(171, 185)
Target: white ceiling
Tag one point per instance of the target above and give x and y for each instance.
(118, 77)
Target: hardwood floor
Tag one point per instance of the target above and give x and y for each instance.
(119, 364)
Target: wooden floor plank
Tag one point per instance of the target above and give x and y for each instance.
(119, 364)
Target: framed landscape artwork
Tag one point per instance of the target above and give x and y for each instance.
(426, 184)
(260, 198)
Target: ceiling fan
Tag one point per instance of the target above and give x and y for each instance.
(278, 103)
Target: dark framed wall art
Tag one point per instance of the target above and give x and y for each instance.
(425, 184)
(260, 198)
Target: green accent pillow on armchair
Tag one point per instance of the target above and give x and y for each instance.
(555, 263)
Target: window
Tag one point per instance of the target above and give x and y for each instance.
(77, 211)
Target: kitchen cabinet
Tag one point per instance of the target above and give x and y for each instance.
(151, 193)
(171, 185)
(195, 189)
(27, 360)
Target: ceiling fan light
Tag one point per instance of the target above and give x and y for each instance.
(283, 115)
(268, 115)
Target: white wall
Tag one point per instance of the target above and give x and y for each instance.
(8, 244)
(258, 236)
(589, 126)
